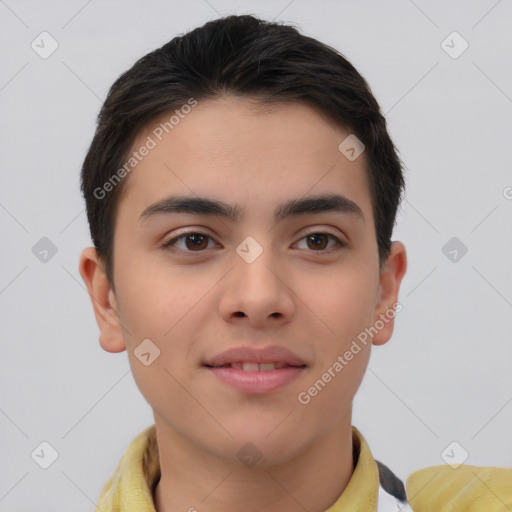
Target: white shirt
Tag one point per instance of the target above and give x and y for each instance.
(388, 503)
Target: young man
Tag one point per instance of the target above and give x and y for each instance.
(241, 191)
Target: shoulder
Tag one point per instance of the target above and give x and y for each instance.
(445, 489)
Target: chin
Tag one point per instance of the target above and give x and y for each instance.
(272, 446)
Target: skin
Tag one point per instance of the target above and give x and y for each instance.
(194, 305)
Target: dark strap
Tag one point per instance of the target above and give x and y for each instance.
(391, 483)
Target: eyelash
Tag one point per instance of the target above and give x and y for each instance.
(169, 244)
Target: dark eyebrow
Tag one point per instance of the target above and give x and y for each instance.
(206, 206)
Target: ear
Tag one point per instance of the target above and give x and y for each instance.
(386, 306)
(103, 301)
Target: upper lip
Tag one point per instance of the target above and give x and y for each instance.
(244, 354)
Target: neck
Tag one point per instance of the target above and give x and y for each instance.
(192, 479)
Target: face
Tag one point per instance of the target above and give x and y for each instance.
(295, 289)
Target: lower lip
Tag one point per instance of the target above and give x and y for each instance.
(257, 383)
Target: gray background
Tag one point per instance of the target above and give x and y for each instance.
(445, 375)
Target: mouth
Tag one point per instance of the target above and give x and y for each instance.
(248, 357)
(256, 367)
(256, 371)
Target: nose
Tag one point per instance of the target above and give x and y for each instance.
(257, 293)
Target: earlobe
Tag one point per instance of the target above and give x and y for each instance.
(103, 301)
(387, 305)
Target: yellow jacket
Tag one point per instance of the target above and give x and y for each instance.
(372, 487)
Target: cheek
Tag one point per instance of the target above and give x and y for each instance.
(342, 306)
(152, 299)
(328, 397)
(162, 308)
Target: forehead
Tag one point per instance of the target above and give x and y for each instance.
(241, 151)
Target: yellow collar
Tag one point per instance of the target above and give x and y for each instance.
(132, 485)
(362, 491)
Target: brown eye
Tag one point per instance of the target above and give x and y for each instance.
(193, 242)
(318, 242)
(196, 241)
